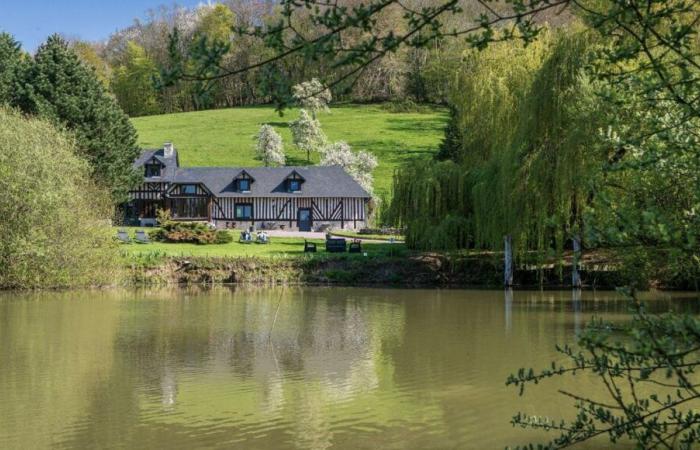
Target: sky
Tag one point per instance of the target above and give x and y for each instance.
(32, 21)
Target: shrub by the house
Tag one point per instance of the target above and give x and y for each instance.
(193, 232)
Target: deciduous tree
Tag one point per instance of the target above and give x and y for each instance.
(312, 95)
(55, 228)
(358, 165)
(269, 147)
(307, 134)
(132, 82)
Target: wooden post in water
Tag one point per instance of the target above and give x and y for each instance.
(575, 275)
(508, 261)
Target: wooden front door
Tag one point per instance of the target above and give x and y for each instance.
(304, 220)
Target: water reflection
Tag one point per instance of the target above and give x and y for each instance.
(340, 368)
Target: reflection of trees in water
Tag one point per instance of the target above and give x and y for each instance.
(187, 368)
(56, 348)
(322, 351)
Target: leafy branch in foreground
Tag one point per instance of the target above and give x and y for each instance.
(647, 368)
(656, 38)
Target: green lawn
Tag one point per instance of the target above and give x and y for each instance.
(376, 237)
(225, 137)
(278, 247)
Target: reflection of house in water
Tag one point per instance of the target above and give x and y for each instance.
(322, 353)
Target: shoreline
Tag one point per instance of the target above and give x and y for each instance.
(429, 270)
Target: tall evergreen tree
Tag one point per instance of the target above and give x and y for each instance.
(58, 86)
(12, 60)
(451, 145)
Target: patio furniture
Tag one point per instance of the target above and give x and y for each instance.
(309, 247)
(142, 237)
(335, 245)
(323, 228)
(123, 236)
(355, 246)
(246, 237)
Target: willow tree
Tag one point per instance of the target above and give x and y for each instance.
(535, 187)
(522, 165)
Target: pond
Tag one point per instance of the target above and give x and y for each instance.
(284, 368)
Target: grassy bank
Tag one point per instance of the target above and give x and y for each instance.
(383, 264)
(380, 263)
(225, 137)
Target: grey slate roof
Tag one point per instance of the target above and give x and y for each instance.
(171, 163)
(320, 181)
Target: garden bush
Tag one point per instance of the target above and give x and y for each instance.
(193, 232)
(55, 220)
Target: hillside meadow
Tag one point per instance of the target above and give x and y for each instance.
(226, 137)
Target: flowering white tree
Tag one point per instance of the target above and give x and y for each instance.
(307, 134)
(269, 147)
(312, 95)
(358, 165)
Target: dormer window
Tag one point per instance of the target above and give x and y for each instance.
(153, 170)
(294, 185)
(189, 189)
(242, 181)
(294, 182)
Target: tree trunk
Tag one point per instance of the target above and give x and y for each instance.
(508, 261)
(575, 275)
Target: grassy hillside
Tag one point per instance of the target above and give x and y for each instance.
(225, 137)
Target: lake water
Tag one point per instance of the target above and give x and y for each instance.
(340, 368)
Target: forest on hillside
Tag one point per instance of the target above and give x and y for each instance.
(131, 60)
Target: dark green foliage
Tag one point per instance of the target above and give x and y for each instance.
(58, 86)
(193, 232)
(12, 63)
(451, 145)
(222, 237)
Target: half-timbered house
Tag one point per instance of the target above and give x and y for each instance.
(297, 198)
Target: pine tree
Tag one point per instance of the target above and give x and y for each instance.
(451, 145)
(12, 61)
(58, 86)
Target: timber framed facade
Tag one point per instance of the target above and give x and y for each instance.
(295, 198)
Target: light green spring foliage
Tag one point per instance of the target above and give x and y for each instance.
(534, 188)
(524, 161)
(54, 228)
(132, 82)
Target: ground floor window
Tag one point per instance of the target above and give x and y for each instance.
(143, 209)
(189, 208)
(244, 211)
